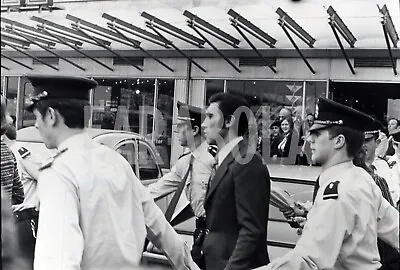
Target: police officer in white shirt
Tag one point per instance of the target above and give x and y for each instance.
(378, 164)
(192, 169)
(94, 212)
(349, 212)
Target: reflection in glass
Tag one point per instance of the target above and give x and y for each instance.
(213, 87)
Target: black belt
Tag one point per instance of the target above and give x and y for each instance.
(25, 214)
(200, 223)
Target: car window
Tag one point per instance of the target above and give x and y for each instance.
(127, 150)
(148, 168)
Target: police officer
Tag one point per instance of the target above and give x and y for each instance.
(394, 161)
(26, 213)
(378, 164)
(349, 212)
(195, 164)
(94, 212)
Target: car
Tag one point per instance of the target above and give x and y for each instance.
(136, 149)
(297, 180)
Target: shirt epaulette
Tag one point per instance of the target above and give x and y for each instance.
(392, 163)
(382, 158)
(48, 163)
(331, 191)
(23, 152)
(184, 154)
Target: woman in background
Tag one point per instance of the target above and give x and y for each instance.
(287, 125)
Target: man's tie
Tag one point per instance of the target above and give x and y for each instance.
(316, 187)
(213, 150)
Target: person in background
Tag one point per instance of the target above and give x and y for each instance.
(310, 118)
(10, 180)
(377, 164)
(11, 193)
(349, 212)
(285, 113)
(94, 212)
(394, 161)
(26, 213)
(237, 200)
(393, 124)
(275, 137)
(287, 126)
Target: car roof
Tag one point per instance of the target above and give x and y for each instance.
(31, 134)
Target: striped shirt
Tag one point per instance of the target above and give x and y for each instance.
(10, 181)
(382, 184)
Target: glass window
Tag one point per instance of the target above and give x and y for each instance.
(127, 150)
(11, 95)
(28, 118)
(124, 104)
(213, 87)
(148, 169)
(163, 125)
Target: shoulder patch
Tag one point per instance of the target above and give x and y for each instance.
(184, 154)
(331, 191)
(23, 152)
(50, 161)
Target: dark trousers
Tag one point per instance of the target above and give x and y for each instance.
(198, 239)
(27, 222)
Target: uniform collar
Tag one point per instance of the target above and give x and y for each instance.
(331, 173)
(200, 149)
(77, 140)
(227, 148)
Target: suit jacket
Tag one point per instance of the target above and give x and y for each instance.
(236, 208)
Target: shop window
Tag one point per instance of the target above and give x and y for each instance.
(124, 104)
(163, 126)
(213, 87)
(11, 95)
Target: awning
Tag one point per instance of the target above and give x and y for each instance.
(204, 25)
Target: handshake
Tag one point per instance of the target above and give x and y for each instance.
(294, 212)
(297, 215)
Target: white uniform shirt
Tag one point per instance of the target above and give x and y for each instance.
(196, 184)
(95, 213)
(28, 181)
(342, 233)
(383, 170)
(395, 171)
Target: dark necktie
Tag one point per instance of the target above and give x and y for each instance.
(212, 149)
(316, 187)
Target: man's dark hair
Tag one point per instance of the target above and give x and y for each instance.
(354, 138)
(228, 104)
(73, 111)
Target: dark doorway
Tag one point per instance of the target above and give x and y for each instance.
(377, 99)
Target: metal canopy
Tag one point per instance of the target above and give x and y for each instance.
(141, 32)
(51, 28)
(337, 25)
(29, 55)
(286, 22)
(158, 25)
(239, 23)
(198, 24)
(82, 26)
(16, 61)
(389, 31)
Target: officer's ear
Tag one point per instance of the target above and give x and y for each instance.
(196, 130)
(52, 116)
(340, 141)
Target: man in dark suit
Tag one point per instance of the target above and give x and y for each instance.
(237, 200)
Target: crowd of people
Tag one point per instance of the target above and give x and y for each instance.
(85, 208)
